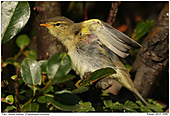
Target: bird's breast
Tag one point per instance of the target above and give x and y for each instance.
(88, 58)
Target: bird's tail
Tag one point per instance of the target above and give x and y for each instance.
(124, 79)
(139, 95)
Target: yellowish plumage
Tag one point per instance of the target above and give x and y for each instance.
(93, 45)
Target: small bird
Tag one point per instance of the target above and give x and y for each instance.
(94, 44)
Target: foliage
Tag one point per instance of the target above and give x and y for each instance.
(14, 17)
(39, 93)
(93, 77)
(57, 99)
(142, 28)
(130, 106)
(47, 85)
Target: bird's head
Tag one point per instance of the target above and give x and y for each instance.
(58, 26)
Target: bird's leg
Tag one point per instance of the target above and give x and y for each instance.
(85, 76)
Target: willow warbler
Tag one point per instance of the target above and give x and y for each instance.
(93, 45)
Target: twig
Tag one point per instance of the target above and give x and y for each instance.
(113, 11)
(19, 53)
(40, 92)
(16, 90)
(85, 11)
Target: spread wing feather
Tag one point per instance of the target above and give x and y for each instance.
(115, 40)
(121, 36)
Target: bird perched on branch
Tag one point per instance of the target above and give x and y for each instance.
(93, 45)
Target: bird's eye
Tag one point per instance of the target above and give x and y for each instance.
(57, 24)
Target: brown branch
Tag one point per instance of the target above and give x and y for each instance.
(113, 12)
(152, 59)
(85, 11)
(16, 91)
(46, 44)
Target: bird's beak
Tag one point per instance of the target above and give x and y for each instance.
(46, 25)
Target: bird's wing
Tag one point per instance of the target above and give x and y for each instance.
(110, 37)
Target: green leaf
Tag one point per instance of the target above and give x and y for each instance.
(59, 65)
(98, 74)
(8, 61)
(31, 72)
(85, 107)
(23, 91)
(142, 28)
(62, 79)
(8, 108)
(155, 108)
(139, 103)
(130, 106)
(153, 105)
(145, 109)
(80, 89)
(154, 102)
(67, 98)
(31, 54)
(42, 99)
(142, 107)
(113, 106)
(31, 107)
(60, 106)
(13, 77)
(16, 64)
(9, 98)
(22, 41)
(43, 64)
(50, 88)
(15, 16)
